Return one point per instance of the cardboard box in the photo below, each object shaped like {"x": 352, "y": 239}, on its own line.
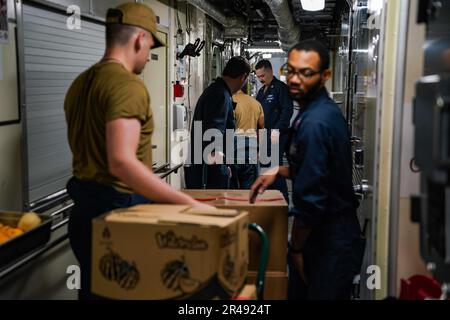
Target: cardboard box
{"x": 275, "y": 284}
{"x": 169, "y": 252}
{"x": 270, "y": 211}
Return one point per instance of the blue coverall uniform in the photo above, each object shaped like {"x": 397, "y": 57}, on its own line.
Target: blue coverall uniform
{"x": 320, "y": 161}
{"x": 215, "y": 110}
{"x": 278, "y": 109}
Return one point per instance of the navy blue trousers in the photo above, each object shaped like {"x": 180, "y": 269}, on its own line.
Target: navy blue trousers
{"x": 280, "y": 182}
{"x": 91, "y": 200}
{"x": 332, "y": 256}
{"x": 244, "y": 175}
{"x": 245, "y": 169}
{"x": 213, "y": 176}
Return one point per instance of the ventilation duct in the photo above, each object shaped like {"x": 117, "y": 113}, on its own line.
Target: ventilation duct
{"x": 288, "y": 30}
{"x": 217, "y": 15}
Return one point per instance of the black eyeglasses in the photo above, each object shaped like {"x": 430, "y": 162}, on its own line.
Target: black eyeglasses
{"x": 304, "y": 73}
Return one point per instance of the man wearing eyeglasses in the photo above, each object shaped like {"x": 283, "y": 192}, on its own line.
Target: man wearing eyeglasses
{"x": 278, "y": 109}
{"x": 326, "y": 247}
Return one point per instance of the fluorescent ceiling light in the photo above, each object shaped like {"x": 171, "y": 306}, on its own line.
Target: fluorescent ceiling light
{"x": 265, "y": 50}
{"x": 313, "y": 5}
{"x": 361, "y": 50}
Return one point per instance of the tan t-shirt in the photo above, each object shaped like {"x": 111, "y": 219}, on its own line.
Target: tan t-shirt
{"x": 247, "y": 113}
{"x": 105, "y": 92}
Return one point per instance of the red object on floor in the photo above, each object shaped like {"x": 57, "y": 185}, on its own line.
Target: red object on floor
{"x": 420, "y": 287}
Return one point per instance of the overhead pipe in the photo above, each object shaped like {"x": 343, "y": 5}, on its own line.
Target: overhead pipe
{"x": 216, "y": 14}
{"x": 288, "y": 30}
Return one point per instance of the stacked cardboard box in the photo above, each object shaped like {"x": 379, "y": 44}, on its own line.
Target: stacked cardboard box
{"x": 169, "y": 252}
{"x": 270, "y": 211}
{"x": 275, "y": 284}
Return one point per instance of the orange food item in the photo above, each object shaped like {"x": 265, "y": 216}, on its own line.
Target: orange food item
{"x": 9, "y": 232}
{"x": 29, "y": 221}
{"x": 3, "y": 238}
{"x": 13, "y": 232}
{"x": 3, "y": 229}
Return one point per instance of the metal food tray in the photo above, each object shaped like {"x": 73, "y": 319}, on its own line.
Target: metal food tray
{"x": 16, "y": 247}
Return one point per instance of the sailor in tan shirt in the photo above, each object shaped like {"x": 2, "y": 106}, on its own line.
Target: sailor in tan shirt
{"x": 110, "y": 126}
{"x": 249, "y": 117}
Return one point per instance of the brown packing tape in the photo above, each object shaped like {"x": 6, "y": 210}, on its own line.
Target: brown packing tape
{"x": 166, "y": 214}
{"x": 237, "y": 197}
{"x": 214, "y": 213}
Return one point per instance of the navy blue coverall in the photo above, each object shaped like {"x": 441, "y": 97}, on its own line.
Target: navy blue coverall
{"x": 320, "y": 161}
{"x": 278, "y": 109}
{"x": 215, "y": 111}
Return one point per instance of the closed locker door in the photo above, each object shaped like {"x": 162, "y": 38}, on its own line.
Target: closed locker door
{"x": 52, "y": 56}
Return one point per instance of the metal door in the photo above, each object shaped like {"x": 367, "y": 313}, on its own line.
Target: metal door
{"x": 155, "y": 78}
{"x": 361, "y": 83}
{"x": 51, "y": 55}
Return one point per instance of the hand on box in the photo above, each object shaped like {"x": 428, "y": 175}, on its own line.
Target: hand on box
{"x": 260, "y": 185}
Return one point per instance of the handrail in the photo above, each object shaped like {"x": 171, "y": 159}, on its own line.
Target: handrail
{"x": 160, "y": 168}
{"x": 60, "y": 224}
{"x": 46, "y": 203}
{"x": 70, "y": 205}
{"x": 171, "y": 170}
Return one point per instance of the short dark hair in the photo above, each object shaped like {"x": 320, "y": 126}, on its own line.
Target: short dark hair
{"x": 316, "y": 46}
{"x": 236, "y": 67}
{"x": 263, "y": 64}
{"x": 119, "y": 34}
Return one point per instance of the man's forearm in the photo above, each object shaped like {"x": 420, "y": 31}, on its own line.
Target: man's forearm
{"x": 144, "y": 182}
{"x": 283, "y": 171}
